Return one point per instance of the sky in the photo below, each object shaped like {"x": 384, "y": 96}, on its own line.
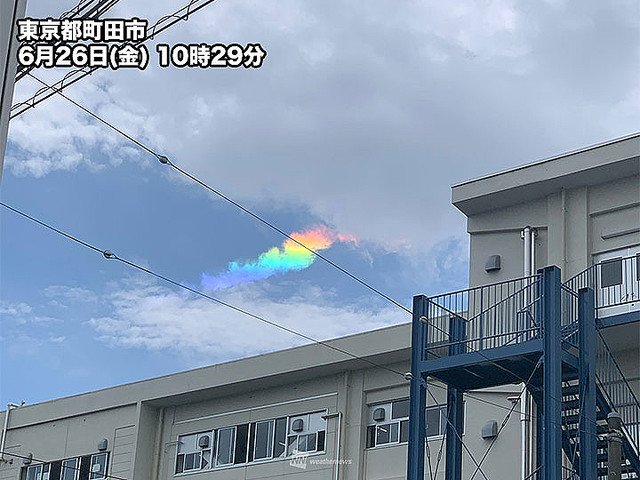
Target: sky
{"x": 358, "y": 122}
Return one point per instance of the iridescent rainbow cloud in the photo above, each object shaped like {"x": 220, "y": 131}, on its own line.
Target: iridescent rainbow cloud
{"x": 278, "y": 260}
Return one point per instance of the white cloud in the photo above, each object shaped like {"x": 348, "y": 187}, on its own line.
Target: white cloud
{"x": 69, "y": 293}
{"x": 22, "y": 314}
{"x": 13, "y": 309}
{"x": 146, "y": 315}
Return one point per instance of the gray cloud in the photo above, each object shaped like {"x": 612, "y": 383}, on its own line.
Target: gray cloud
{"x": 365, "y": 114}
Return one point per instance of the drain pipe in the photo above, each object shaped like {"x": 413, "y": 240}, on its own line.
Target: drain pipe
{"x": 5, "y": 427}
{"x": 528, "y": 235}
{"x": 336, "y": 467}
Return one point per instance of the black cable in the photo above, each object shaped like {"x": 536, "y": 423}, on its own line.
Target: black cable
{"x": 164, "y": 160}
{"x": 162, "y": 24}
{"x": 97, "y": 117}
{"x": 110, "y": 255}
{"x": 44, "y": 462}
{"x": 504, "y": 422}
{"x": 459, "y": 437}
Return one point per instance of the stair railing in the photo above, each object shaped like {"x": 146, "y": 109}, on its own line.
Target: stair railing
{"x": 618, "y": 392}
{"x": 623, "y": 275}
{"x": 495, "y": 315}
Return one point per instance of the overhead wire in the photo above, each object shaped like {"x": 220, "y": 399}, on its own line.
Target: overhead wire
{"x": 162, "y": 24}
{"x": 108, "y": 254}
{"x": 164, "y": 160}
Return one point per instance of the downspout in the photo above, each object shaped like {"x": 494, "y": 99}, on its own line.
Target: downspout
{"x": 336, "y": 466}
{"x": 338, "y": 446}
{"x": 526, "y": 402}
{"x": 5, "y": 428}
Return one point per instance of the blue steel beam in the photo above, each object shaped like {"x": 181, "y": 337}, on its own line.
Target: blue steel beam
{"x": 587, "y": 384}
{"x": 455, "y": 404}
{"x": 418, "y": 392}
{"x": 552, "y": 375}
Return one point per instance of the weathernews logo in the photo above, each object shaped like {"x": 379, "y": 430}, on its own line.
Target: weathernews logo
{"x": 301, "y": 460}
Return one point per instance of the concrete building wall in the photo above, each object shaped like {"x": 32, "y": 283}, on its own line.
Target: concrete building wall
{"x": 572, "y": 226}
{"x": 73, "y": 436}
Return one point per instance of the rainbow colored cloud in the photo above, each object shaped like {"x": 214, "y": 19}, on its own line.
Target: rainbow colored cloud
{"x": 278, "y": 260}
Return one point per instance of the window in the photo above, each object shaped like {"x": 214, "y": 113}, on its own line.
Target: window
{"x": 249, "y": 442}
{"x": 436, "y": 418}
{"x": 98, "y": 468}
{"x": 264, "y": 433}
{"x": 280, "y": 443}
{"x": 242, "y": 443}
{"x": 306, "y": 433}
{"x": 194, "y": 452}
{"x": 87, "y": 467}
{"x": 226, "y": 440}
{"x": 38, "y": 472}
{"x": 611, "y": 272}
{"x": 389, "y": 423}
{"x": 70, "y": 469}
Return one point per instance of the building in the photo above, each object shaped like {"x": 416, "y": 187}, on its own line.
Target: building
{"x": 315, "y": 413}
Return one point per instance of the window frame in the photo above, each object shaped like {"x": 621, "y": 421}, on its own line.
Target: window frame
{"x": 306, "y": 433}
{"x": 232, "y": 447}
{"x": 271, "y": 439}
{"x": 210, "y": 449}
{"x": 251, "y": 442}
{"x": 35, "y": 467}
{"x": 105, "y": 473}
{"x": 387, "y": 422}
{"x": 75, "y": 469}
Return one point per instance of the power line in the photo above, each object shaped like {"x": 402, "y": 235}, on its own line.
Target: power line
{"x": 110, "y": 255}
{"x": 459, "y": 437}
{"x": 164, "y": 160}
{"x": 24, "y": 457}
{"x": 75, "y": 75}
{"x": 504, "y": 422}
{"x": 83, "y": 10}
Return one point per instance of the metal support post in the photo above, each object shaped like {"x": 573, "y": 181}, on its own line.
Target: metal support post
{"x": 418, "y": 392}
{"x": 587, "y": 384}
{"x": 614, "y": 440}
{"x": 552, "y": 357}
{"x": 455, "y": 404}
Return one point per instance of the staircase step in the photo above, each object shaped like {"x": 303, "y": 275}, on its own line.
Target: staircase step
{"x": 601, "y": 430}
{"x": 570, "y": 390}
{"x": 572, "y": 404}
{"x": 574, "y": 418}
{"x": 625, "y": 468}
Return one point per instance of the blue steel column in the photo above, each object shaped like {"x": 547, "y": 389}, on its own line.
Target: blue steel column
{"x": 418, "y": 392}
{"x": 455, "y": 405}
{"x": 552, "y": 394}
{"x": 587, "y": 373}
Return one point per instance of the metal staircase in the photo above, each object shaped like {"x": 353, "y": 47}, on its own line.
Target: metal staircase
{"x": 540, "y": 332}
